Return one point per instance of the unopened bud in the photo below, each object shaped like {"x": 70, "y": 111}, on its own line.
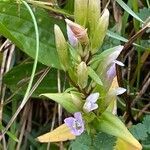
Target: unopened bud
{"x": 82, "y": 73}
{"x": 76, "y": 32}
{"x": 80, "y": 12}
{"x": 100, "y": 31}
{"x": 93, "y": 15}
{"x": 61, "y": 46}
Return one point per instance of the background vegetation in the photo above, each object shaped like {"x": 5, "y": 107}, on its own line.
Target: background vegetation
{"x": 17, "y": 55}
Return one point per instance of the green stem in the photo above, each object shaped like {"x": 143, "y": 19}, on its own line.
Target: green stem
{"x": 25, "y": 99}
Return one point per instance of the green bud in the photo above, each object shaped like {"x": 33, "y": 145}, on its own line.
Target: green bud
{"x": 82, "y": 73}
{"x": 61, "y": 46}
{"x": 93, "y": 15}
{"x": 100, "y": 31}
{"x": 76, "y": 99}
{"x": 80, "y": 12}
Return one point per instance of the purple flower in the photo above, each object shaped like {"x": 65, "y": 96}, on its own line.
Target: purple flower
{"x": 90, "y": 103}
{"x": 75, "y": 124}
{"x": 111, "y": 72}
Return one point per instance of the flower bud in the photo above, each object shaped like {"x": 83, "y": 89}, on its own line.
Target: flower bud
{"x": 76, "y": 99}
{"x": 82, "y": 73}
{"x": 61, "y": 46}
{"x": 80, "y": 12}
{"x": 93, "y": 15}
{"x": 76, "y": 33}
{"x": 100, "y": 31}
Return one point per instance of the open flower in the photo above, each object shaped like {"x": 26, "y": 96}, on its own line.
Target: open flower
{"x": 75, "y": 124}
{"x": 76, "y": 33}
{"x": 90, "y": 103}
{"x": 111, "y": 72}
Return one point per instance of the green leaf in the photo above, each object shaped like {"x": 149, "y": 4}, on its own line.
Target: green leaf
{"x": 139, "y": 131}
{"x": 82, "y": 142}
{"x": 100, "y": 141}
{"x": 128, "y": 9}
{"x": 17, "y": 25}
{"x": 103, "y": 141}
{"x": 65, "y": 100}
{"x": 11, "y": 135}
{"x": 146, "y": 122}
{"x": 110, "y": 124}
{"x": 120, "y": 38}
{"x": 94, "y": 76}
{"x": 18, "y": 77}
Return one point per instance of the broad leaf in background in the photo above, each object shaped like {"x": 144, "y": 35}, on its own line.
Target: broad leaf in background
{"x": 16, "y": 24}
{"x": 18, "y": 77}
{"x": 142, "y": 132}
{"x": 100, "y": 141}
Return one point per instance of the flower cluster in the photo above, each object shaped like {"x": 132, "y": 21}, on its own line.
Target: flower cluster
{"x": 91, "y": 73}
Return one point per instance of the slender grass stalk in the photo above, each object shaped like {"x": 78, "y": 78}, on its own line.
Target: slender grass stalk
{"x": 148, "y": 3}
{"x": 25, "y": 99}
{"x": 136, "y": 27}
{"x": 56, "y": 10}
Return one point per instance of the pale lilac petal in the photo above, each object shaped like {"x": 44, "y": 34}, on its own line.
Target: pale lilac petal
{"x": 92, "y": 97}
{"x": 120, "y": 90}
{"x": 111, "y": 73}
{"x": 69, "y": 121}
{"x": 71, "y": 37}
{"x": 76, "y": 124}
{"x": 78, "y": 116}
{"x": 118, "y": 63}
{"x": 88, "y": 106}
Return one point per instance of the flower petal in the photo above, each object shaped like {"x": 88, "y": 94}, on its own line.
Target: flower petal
{"x": 118, "y": 63}
{"x": 69, "y": 122}
{"x": 111, "y": 72}
{"x": 120, "y": 90}
{"x": 92, "y": 97}
{"x": 71, "y": 37}
{"x": 78, "y": 116}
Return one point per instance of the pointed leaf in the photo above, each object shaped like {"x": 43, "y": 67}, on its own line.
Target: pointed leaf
{"x": 94, "y": 76}
{"x": 128, "y": 9}
{"x": 65, "y": 100}
{"x": 62, "y": 133}
{"x": 110, "y": 124}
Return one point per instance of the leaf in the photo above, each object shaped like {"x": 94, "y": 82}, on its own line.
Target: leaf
{"x": 100, "y": 141}
{"x": 144, "y": 13}
{"x": 94, "y": 76}
{"x": 123, "y": 145}
{"x": 120, "y": 38}
{"x": 11, "y": 135}
{"x": 95, "y": 61}
{"x": 146, "y": 122}
{"x": 62, "y": 133}
{"x": 139, "y": 131}
{"x": 18, "y": 77}
{"x": 65, "y": 100}
{"x": 142, "y": 130}
{"x": 18, "y": 27}
{"x": 110, "y": 124}
{"x": 103, "y": 141}
{"x": 128, "y": 9}
{"x": 82, "y": 142}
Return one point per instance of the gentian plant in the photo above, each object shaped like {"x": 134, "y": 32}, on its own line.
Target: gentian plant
{"x": 91, "y": 97}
